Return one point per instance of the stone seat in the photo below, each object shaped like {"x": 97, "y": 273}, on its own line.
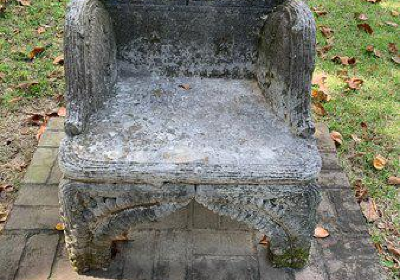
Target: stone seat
{"x": 219, "y": 131}
{"x": 170, "y": 101}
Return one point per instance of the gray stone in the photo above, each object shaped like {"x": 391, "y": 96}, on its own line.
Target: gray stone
{"x": 330, "y": 161}
{"x": 12, "y": 247}
{"x": 38, "y": 257}
{"x": 218, "y": 115}
{"x": 41, "y": 164}
{"x": 55, "y": 175}
{"x": 33, "y": 217}
{"x": 333, "y": 179}
{"x": 38, "y": 195}
{"x": 51, "y": 139}
{"x": 55, "y": 124}
{"x": 324, "y": 141}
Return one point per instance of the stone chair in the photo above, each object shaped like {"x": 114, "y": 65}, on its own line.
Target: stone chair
{"x": 174, "y": 100}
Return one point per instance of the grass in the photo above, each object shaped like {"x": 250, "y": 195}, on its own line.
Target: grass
{"x": 377, "y": 103}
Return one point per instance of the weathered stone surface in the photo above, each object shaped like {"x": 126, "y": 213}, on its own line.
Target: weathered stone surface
{"x": 324, "y": 141}
{"x": 51, "y": 139}
{"x": 55, "y": 124}
{"x": 33, "y": 217}
{"x": 39, "y": 170}
{"x": 330, "y": 161}
{"x": 11, "y": 248}
{"x": 38, "y": 195}
{"x": 38, "y": 257}
{"x": 55, "y": 174}
{"x": 331, "y": 179}
{"x": 237, "y": 139}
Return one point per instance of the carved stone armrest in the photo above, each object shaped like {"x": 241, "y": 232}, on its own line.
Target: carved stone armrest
{"x": 286, "y": 63}
{"x": 90, "y": 61}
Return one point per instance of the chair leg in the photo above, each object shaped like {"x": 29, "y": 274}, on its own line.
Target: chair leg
{"x": 285, "y": 213}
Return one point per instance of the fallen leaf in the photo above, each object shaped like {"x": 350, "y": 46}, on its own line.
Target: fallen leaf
{"x": 62, "y": 111}
{"x": 60, "y": 226}
{"x": 27, "y": 85}
{"x": 319, "y": 109}
{"x": 185, "y": 86}
{"x": 3, "y": 216}
{"x": 373, "y": 1}
{"x": 320, "y": 95}
{"x": 345, "y": 60}
{"x": 326, "y": 31}
{"x": 369, "y": 210}
{"x": 2, "y": 9}
{"x": 41, "y": 30}
{"x": 42, "y": 129}
{"x": 394, "y": 180}
{"x": 379, "y": 162}
{"x": 2, "y": 75}
{"x": 24, "y": 2}
{"x": 35, "y": 52}
{"x": 356, "y": 138}
{"x": 321, "y": 51}
{"x": 377, "y": 53}
{"x": 395, "y": 13}
{"x": 59, "y": 60}
{"x": 264, "y": 240}
{"x": 15, "y": 99}
{"x": 319, "y": 11}
{"x": 396, "y": 59}
{"x": 392, "y": 48}
{"x": 370, "y": 48}
{"x": 395, "y": 251}
{"x": 391, "y": 23}
{"x": 355, "y": 83}
{"x": 361, "y": 191}
{"x": 320, "y": 232}
{"x": 6, "y": 188}
{"x": 362, "y": 16}
{"x": 336, "y": 137}
{"x": 35, "y": 119}
{"x": 343, "y": 73}
{"x": 365, "y": 27}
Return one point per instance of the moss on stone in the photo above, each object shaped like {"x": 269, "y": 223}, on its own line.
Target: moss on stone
{"x": 294, "y": 258}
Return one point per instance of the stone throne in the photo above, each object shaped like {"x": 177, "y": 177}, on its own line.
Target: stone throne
{"x": 174, "y": 100}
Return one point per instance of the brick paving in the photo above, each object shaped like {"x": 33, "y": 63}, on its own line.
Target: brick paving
{"x": 193, "y": 243}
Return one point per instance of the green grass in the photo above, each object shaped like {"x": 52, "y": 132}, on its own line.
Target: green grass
{"x": 18, "y": 36}
{"x": 377, "y": 103}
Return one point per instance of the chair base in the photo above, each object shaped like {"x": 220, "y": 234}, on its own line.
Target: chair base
{"x": 95, "y": 215}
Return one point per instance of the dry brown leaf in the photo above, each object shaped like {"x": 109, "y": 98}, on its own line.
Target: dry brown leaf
{"x": 344, "y": 60}
{"x": 370, "y": 48}
{"x": 336, "y": 137}
{"x": 369, "y": 210}
{"x": 319, "y": 109}
{"x": 27, "y": 85}
{"x": 6, "y": 188}
{"x": 60, "y": 226}
{"x": 361, "y": 192}
{"x": 319, "y": 11}
{"x": 343, "y": 73}
{"x": 35, "y": 52}
{"x": 42, "y": 129}
{"x": 320, "y": 95}
{"x": 264, "y": 240}
{"x": 379, "y": 162}
{"x": 396, "y": 59}
{"x": 41, "y": 30}
{"x": 391, "y": 23}
{"x": 356, "y": 138}
{"x": 59, "y": 60}
{"x": 365, "y": 27}
{"x": 392, "y": 48}
{"x": 35, "y": 119}
{"x": 373, "y": 1}
{"x": 395, "y": 251}
{"x": 62, "y": 111}
{"x": 395, "y": 13}
{"x": 326, "y": 31}
{"x": 320, "y": 232}
{"x": 392, "y": 180}
{"x": 15, "y": 99}
{"x": 321, "y": 51}
{"x": 3, "y": 216}
{"x": 377, "y": 53}
{"x": 355, "y": 83}
{"x": 185, "y": 86}
{"x": 362, "y": 17}
{"x": 24, "y": 2}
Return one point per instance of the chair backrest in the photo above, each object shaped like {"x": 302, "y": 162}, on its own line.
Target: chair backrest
{"x": 212, "y": 38}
